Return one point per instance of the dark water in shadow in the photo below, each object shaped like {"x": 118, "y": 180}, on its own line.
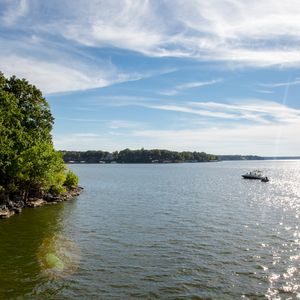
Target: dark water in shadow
{"x": 179, "y": 231}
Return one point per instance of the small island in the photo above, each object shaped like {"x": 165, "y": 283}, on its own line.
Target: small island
{"x": 32, "y": 172}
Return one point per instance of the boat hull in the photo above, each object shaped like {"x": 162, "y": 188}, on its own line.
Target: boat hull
{"x": 252, "y": 177}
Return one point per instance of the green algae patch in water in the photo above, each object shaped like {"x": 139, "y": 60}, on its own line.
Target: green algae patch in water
{"x": 58, "y": 256}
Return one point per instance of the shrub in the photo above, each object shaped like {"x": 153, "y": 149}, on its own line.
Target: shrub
{"x": 71, "y": 180}
{"x": 57, "y": 190}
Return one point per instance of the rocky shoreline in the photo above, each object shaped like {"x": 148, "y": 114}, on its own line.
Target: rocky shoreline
{"x": 9, "y": 207}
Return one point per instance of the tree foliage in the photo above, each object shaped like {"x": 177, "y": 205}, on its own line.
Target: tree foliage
{"x": 71, "y": 180}
{"x": 28, "y": 160}
{"x": 137, "y": 156}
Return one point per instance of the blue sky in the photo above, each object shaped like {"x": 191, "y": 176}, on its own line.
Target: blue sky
{"x": 220, "y": 76}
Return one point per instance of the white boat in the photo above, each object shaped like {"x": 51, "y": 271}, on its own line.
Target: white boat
{"x": 256, "y": 174}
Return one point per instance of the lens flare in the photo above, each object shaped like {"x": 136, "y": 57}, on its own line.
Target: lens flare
{"x": 58, "y": 256}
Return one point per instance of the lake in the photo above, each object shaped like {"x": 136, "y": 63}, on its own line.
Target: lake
{"x": 160, "y": 231}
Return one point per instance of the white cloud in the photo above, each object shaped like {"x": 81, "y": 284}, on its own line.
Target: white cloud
{"x": 188, "y": 85}
{"x": 168, "y": 92}
{"x": 126, "y": 24}
{"x": 254, "y": 110}
{"x": 190, "y": 110}
{"x": 249, "y": 32}
{"x": 194, "y": 84}
{"x": 260, "y": 139}
{"x": 259, "y": 33}
{"x": 243, "y": 139}
{"x": 123, "y": 124}
{"x": 271, "y": 129}
{"x": 280, "y": 84}
{"x": 252, "y": 33}
{"x": 51, "y": 77}
{"x": 256, "y": 107}
{"x": 67, "y": 75}
{"x": 16, "y": 10}
{"x": 265, "y": 91}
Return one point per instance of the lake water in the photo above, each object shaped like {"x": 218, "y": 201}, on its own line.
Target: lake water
{"x": 165, "y": 231}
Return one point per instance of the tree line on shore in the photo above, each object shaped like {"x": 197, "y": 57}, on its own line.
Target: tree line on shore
{"x": 148, "y": 156}
{"x": 136, "y": 156}
{"x": 240, "y": 157}
{"x": 29, "y": 164}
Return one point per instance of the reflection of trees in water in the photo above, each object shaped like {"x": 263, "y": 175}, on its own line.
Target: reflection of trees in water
{"x": 21, "y": 238}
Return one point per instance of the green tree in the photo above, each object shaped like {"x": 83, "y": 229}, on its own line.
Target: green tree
{"x": 28, "y": 161}
{"x": 71, "y": 180}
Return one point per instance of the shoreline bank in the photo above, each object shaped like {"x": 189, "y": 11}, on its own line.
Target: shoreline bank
{"x": 10, "y": 207}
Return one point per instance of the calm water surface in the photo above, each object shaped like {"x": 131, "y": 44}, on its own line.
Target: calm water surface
{"x": 172, "y": 231}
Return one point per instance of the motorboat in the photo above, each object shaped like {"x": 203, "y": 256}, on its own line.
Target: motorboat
{"x": 256, "y": 174}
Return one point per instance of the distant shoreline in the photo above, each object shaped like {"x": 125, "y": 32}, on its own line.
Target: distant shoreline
{"x": 264, "y": 158}
{"x": 139, "y": 163}
{"x": 152, "y": 156}
{"x": 156, "y": 156}
{"x": 183, "y": 162}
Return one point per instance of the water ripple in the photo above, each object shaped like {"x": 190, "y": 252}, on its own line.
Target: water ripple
{"x": 184, "y": 231}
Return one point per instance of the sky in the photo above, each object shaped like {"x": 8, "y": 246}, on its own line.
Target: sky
{"x": 220, "y": 76}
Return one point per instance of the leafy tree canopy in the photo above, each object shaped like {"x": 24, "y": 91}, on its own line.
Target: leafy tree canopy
{"x": 28, "y": 161}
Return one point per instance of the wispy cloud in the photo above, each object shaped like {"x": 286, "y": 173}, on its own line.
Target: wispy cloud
{"x": 252, "y": 33}
{"x": 260, "y": 136}
{"x": 188, "y": 85}
{"x": 189, "y": 109}
{"x": 16, "y": 9}
{"x": 260, "y": 139}
{"x": 64, "y": 45}
{"x": 254, "y": 110}
{"x": 168, "y": 92}
{"x": 259, "y": 109}
{"x": 120, "y": 100}
{"x": 244, "y": 139}
{"x": 194, "y": 84}
{"x": 281, "y": 84}
{"x": 53, "y": 76}
{"x": 265, "y": 91}
{"x": 123, "y": 124}
{"x": 246, "y": 126}
{"x": 237, "y": 33}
